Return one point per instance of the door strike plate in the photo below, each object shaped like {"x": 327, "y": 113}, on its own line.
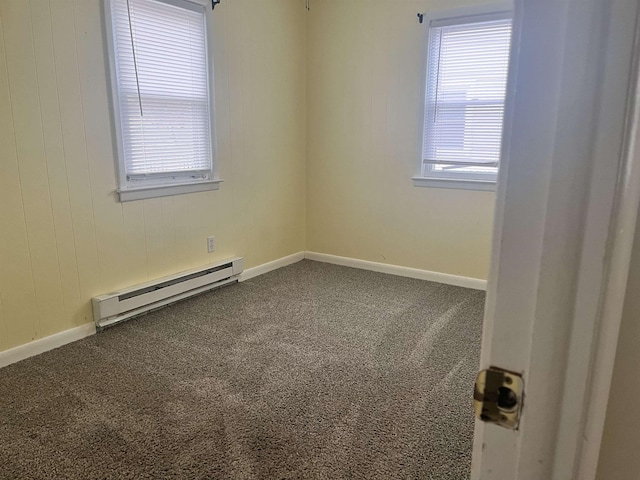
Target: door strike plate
{"x": 498, "y": 397}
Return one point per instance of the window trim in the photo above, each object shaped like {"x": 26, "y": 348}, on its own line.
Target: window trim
{"x": 128, "y": 193}
{"x": 440, "y": 18}
{"x": 455, "y": 183}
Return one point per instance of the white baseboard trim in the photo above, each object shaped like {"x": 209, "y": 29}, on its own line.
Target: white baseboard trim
{"x": 270, "y": 266}
{"x": 457, "y": 280}
{"x": 37, "y": 347}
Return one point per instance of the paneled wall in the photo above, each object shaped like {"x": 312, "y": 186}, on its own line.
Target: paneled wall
{"x": 317, "y": 118}
{"x": 364, "y": 71}
{"x": 64, "y": 237}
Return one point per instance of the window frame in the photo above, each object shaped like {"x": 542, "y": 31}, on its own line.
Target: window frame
{"x": 125, "y": 191}
{"x": 471, "y": 14}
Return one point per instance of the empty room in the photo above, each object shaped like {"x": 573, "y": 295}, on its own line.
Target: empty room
{"x": 319, "y": 239}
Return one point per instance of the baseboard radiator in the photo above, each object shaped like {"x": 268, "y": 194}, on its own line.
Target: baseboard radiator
{"x": 115, "y": 307}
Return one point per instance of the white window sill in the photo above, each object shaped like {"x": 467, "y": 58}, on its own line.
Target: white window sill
{"x": 130, "y": 194}
{"x": 455, "y": 183}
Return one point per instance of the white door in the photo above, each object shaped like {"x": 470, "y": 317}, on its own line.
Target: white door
{"x": 567, "y": 197}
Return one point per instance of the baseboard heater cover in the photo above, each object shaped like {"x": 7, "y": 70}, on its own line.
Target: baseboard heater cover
{"x": 118, "y": 306}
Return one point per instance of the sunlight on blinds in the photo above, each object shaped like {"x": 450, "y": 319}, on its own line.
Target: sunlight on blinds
{"x": 466, "y": 87}
{"x": 163, "y": 94}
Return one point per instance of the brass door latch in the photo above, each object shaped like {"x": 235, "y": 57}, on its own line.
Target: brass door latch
{"x": 498, "y": 397}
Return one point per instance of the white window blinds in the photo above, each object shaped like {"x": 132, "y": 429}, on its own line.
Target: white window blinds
{"x": 467, "y": 69}
{"x": 160, "y": 51}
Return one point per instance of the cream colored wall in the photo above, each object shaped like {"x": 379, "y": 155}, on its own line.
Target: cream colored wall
{"x": 63, "y": 235}
{"x": 348, "y": 70}
{"x": 619, "y": 458}
{"x": 364, "y": 61}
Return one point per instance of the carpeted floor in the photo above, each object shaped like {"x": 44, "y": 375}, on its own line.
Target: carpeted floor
{"x": 311, "y": 371}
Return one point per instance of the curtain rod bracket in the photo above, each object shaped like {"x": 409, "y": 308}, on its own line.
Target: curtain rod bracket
{"x": 214, "y": 3}
{"x": 421, "y": 17}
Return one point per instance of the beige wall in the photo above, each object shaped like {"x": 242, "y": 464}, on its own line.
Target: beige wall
{"x": 619, "y": 455}
{"x": 364, "y": 61}
{"x": 63, "y": 235}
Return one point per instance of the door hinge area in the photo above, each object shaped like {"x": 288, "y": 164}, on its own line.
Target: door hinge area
{"x": 498, "y": 397}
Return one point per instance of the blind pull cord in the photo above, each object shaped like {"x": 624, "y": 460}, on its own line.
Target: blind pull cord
{"x": 135, "y": 62}
{"x": 435, "y": 113}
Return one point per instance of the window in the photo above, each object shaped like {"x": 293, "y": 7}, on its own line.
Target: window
{"x": 162, "y": 98}
{"x": 466, "y": 78}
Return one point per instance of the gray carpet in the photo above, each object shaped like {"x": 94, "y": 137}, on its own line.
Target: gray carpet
{"x": 311, "y": 371}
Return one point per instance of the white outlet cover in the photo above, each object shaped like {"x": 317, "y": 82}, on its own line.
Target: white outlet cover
{"x": 211, "y": 244}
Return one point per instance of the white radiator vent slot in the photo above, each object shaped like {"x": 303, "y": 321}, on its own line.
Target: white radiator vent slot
{"x": 118, "y": 306}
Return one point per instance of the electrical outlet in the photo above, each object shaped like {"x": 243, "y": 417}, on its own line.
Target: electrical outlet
{"x": 211, "y": 244}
